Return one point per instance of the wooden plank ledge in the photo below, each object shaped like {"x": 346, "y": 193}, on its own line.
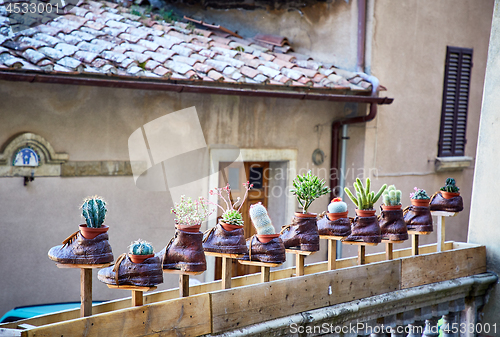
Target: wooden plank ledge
{"x": 418, "y": 233}
{"x": 84, "y": 266}
{"x": 331, "y": 237}
{"x": 180, "y": 272}
{"x": 299, "y": 252}
{"x": 231, "y": 256}
{"x": 443, "y": 213}
{"x": 131, "y": 287}
{"x": 392, "y": 241}
{"x": 360, "y": 243}
{"x": 259, "y": 264}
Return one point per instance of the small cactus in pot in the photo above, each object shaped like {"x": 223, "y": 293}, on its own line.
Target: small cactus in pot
{"x": 450, "y": 190}
{"x": 94, "y": 211}
{"x": 391, "y": 198}
{"x": 262, "y": 223}
{"x": 140, "y": 250}
{"x": 419, "y": 198}
{"x": 364, "y": 199}
{"x": 337, "y": 209}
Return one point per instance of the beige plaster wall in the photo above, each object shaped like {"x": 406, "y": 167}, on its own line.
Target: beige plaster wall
{"x": 94, "y": 124}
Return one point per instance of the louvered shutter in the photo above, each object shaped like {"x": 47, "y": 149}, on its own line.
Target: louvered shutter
{"x": 455, "y": 102}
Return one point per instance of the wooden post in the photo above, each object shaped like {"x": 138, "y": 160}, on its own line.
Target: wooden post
{"x": 361, "y": 254}
{"x": 332, "y": 254}
{"x": 137, "y": 299}
{"x": 227, "y": 272}
{"x": 85, "y": 292}
{"x": 299, "y": 264}
{"x": 183, "y": 285}
{"x": 265, "y": 274}
{"x": 440, "y": 233}
{"x": 414, "y": 244}
{"x": 388, "y": 251}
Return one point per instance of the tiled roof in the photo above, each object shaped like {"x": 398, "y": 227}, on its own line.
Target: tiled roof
{"x": 103, "y": 38}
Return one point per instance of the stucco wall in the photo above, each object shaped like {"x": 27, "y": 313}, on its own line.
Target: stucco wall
{"x": 94, "y": 124}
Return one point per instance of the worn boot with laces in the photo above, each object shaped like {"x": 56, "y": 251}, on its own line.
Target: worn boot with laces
{"x": 184, "y": 252}
{"x": 125, "y": 272}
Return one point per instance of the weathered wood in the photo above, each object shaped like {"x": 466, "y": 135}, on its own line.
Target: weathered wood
{"x": 227, "y": 272}
{"x": 131, "y": 287}
{"x": 243, "y": 306}
{"x": 437, "y": 267}
{"x": 361, "y": 254}
{"x": 360, "y": 243}
{"x": 298, "y": 251}
{"x": 418, "y": 233}
{"x": 332, "y": 254}
{"x": 188, "y": 316}
{"x": 441, "y": 230}
{"x": 259, "y": 264}
{"x": 265, "y": 274}
{"x": 85, "y": 292}
{"x": 26, "y": 326}
{"x": 299, "y": 264}
{"x": 9, "y": 332}
{"x": 180, "y": 272}
{"x": 331, "y": 237}
{"x": 84, "y": 266}
{"x": 232, "y": 256}
{"x": 414, "y": 244}
{"x": 137, "y": 299}
{"x": 183, "y": 285}
{"x": 388, "y": 251}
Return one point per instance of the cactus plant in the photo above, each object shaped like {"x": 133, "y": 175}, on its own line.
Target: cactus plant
{"x": 190, "y": 212}
{"x": 230, "y": 215}
{"x": 308, "y": 188}
{"x": 391, "y": 196}
{"x": 94, "y": 211}
{"x": 261, "y": 220}
{"x": 450, "y": 186}
{"x": 141, "y": 247}
{"x": 364, "y": 199}
{"x": 337, "y": 206}
{"x": 419, "y": 194}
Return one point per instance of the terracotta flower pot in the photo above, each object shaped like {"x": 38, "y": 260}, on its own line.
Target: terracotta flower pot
{"x": 229, "y": 227}
{"x": 449, "y": 195}
{"x": 190, "y": 229}
{"x": 89, "y": 232}
{"x": 420, "y": 202}
{"x": 365, "y": 212}
{"x": 336, "y": 216}
{"x": 139, "y": 258}
{"x": 265, "y": 238}
{"x": 391, "y": 208}
{"x": 305, "y": 215}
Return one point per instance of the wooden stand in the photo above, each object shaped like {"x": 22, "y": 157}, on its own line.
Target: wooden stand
{"x": 361, "y": 249}
{"x": 389, "y": 246}
{"x": 299, "y": 259}
{"x": 85, "y": 284}
{"x": 183, "y": 279}
{"x": 414, "y": 240}
{"x": 332, "y": 249}
{"x": 227, "y": 266}
{"x": 441, "y": 227}
{"x": 265, "y": 268}
{"x": 137, "y": 298}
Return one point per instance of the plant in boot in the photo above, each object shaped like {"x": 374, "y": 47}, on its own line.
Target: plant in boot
{"x": 140, "y": 250}
{"x": 450, "y": 186}
{"x": 391, "y": 196}
{"x": 262, "y": 223}
{"x": 189, "y": 214}
{"x": 308, "y": 188}
{"x": 364, "y": 199}
{"x": 231, "y": 215}
{"x": 94, "y": 211}
{"x": 448, "y": 198}
{"x": 419, "y": 198}
{"x": 337, "y": 209}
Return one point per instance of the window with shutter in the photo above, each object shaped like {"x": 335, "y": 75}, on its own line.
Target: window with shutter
{"x": 455, "y": 102}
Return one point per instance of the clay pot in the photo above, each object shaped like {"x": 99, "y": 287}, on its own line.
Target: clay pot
{"x": 89, "y": 232}
{"x": 365, "y": 212}
{"x": 265, "y": 238}
{"x": 449, "y": 195}
{"x": 229, "y": 227}
{"x": 190, "y": 229}
{"x": 336, "y": 216}
{"x": 305, "y": 215}
{"x": 420, "y": 202}
{"x": 391, "y": 208}
{"x": 139, "y": 258}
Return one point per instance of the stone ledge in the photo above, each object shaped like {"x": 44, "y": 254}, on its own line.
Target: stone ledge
{"x": 445, "y": 164}
{"x": 96, "y": 168}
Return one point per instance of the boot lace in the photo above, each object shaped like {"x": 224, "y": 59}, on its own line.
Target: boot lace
{"x": 117, "y": 266}
{"x": 207, "y": 233}
{"x": 70, "y": 239}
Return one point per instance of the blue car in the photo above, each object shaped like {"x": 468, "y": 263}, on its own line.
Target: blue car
{"x": 37, "y": 310}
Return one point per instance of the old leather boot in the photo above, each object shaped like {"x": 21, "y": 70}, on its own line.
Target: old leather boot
{"x": 270, "y": 252}
{"x": 219, "y": 240}
{"x": 392, "y": 225}
{"x": 125, "y": 272}
{"x": 302, "y": 232}
{"x": 340, "y": 227}
{"x": 184, "y": 252}
{"x": 78, "y": 250}
{"x": 365, "y": 229}
{"x": 418, "y": 218}
{"x": 438, "y": 203}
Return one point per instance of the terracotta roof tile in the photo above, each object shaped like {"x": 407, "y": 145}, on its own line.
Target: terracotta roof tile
{"x": 32, "y": 55}
{"x": 203, "y": 68}
{"x": 94, "y": 25}
{"x": 269, "y": 72}
{"x": 149, "y": 45}
{"x": 70, "y": 39}
{"x": 306, "y": 72}
{"x": 112, "y": 56}
{"x": 183, "y": 59}
{"x": 62, "y": 69}
{"x": 139, "y": 57}
{"x": 70, "y": 63}
{"x": 198, "y": 57}
{"x": 133, "y": 47}
{"x": 158, "y": 57}
{"x": 229, "y": 60}
{"x": 215, "y": 75}
{"x": 285, "y": 57}
{"x": 217, "y": 65}
{"x": 249, "y": 72}
{"x": 162, "y": 71}
{"x": 129, "y": 37}
{"x": 49, "y": 40}
{"x": 178, "y": 67}
{"x": 254, "y": 63}
{"x": 33, "y": 42}
{"x": 85, "y": 56}
{"x": 291, "y": 73}
{"x": 182, "y": 50}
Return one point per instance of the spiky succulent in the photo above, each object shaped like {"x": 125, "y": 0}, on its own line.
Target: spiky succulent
{"x": 337, "y": 206}
{"x": 94, "y": 211}
{"x": 261, "y": 220}
{"x": 232, "y": 217}
{"x": 364, "y": 198}
{"x": 450, "y": 186}
{"x": 308, "y": 188}
{"x": 391, "y": 196}
{"x": 141, "y": 247}
{"x": 419, "y": 194}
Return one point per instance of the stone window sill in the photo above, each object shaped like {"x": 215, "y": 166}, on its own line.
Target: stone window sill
{"x": 445, "y": 164}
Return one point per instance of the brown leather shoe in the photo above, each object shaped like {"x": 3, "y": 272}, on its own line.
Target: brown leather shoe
{"x": 340, "y": 227}
{"x": 270, "y": 252}
{"x": 125, "y": 272}
{"x": 365, "y": 229}
{"x": 438, "y": 203}
{"x": 418, "y": 218}
{"x": 302, "y": 232}
{"x": 392, "y": 225}
{"x": 184, "y": 252}
{"x": 219, "y": 240}
{"x": 78, "y": 250}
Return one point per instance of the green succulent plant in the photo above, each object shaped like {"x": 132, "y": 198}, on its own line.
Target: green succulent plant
{"x": 94, "y": 211}
{"x": 308, "y": 188}
{"x": 391, "y": 196}
{"x": 450, "y": 186}
{"x": 419, "y": 194}
{"x": 141, "y": 247}
{"x": 364, "y": 199}
{"x": 232, "y": 217}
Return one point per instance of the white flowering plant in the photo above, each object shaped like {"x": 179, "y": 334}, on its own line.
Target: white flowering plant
{"x": 190, "y": 212}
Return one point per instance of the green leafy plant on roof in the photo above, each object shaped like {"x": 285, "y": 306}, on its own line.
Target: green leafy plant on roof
{"x": 168, "y": 16}
{"x": 190, "y": 26}
{"x": 240, "y": 49}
